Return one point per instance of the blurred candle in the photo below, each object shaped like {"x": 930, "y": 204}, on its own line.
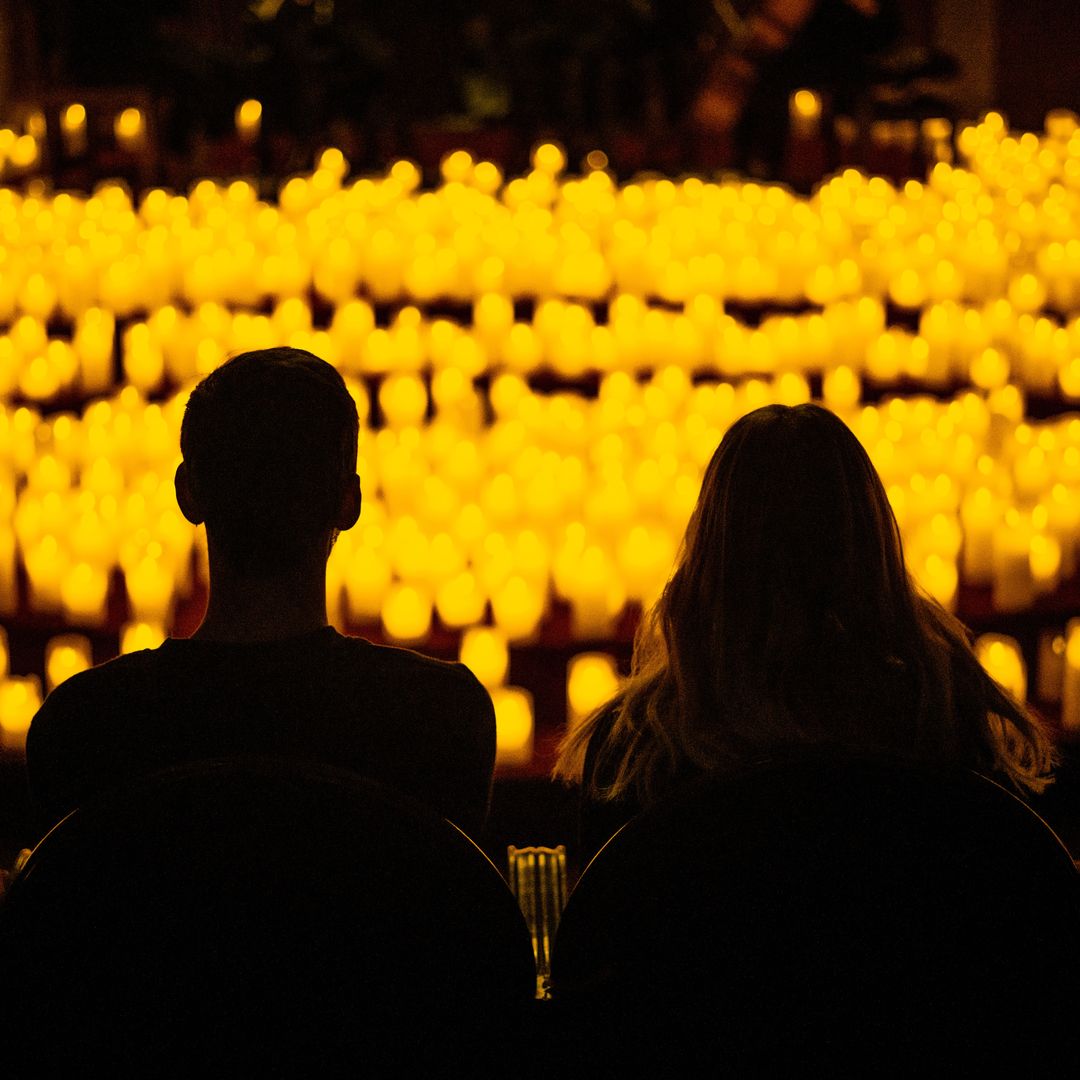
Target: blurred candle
{"x": 1003, "y": 661}
{"x": 1013, "y": 583}
{"x": 73, "y": 129}
{"x": 485, "y": 653}
{"x": 84, "y": 594}
{"x": 66, "y": 655}
{"x": 592, "y": 679}
{"x": 130, "y": 129}
{"x": 804, "y": 108}
{"x": 513, "y": 725}
{"x": 518, "y": 606}
{"x": 20, "y": 698}
{"x": 1070, "y": 691}
{"x": 460, "y": 601}
{"x": 406, "y": 614}
{"x": 135, "y": 636}
{"x": 249, "y": 120}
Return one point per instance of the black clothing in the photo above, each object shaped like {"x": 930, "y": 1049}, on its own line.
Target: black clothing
{"x": 422, "y": 726}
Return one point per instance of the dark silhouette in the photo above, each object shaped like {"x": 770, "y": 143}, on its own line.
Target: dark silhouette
{"x": 828, "y": 915}
{"x": 269, "y": 443}
{"x": 261, "y": 918}
{"x": 790, "y": 624}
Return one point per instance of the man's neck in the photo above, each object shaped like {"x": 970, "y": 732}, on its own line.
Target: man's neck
{"x": 265, "y": 609}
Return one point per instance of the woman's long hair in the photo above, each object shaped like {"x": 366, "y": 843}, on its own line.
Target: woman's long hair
{"x": 790, "y": 620}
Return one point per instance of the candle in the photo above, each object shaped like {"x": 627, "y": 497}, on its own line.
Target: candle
{"x": 1050, "y": 668}
{"x": 1003, "y": 661}
{"x": 406, "y": 614}
{"x": 460, "y": 601}
{"x": 249, "y": 120}
{"x": 592, "y": 679}
{"x": 484, "y": 651}
{"x": 518, "y": 606}
{"x": 20, "y": 699}
{"x": 66, "y": 655}
{"x": 130, "y": 129}
{"x": 84, "y": 594}
{"x": 980, "y": 514}
{"x": 367, "y": 581}
{"x": 513, "y": 725}
{"x": 135, "y": 636}
{"x": 1070, "y": 693}
{"x": 73, "y": 129}
{"x": 1013, "y": 583}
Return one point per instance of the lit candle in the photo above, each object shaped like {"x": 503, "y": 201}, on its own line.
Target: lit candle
{"x": 130, "y": 129}
{"x": 135, "y": 636}
{"x": 484, "y": 651}
{"x": 84, "y": 594}
{"x": 367, "y": 581}
{"x": 20, "y": 699}
{"x": 592, "y": 679}
{"x": 73, "y": 129}
{"x": 1070, "y": 692}
{"x": 1013, "y": 583}
{"x": 1003, "y": 661}
{"x": 513, "y": 725}
{"x": 406, "y": 614}
{"x": 518, "y": 606}
{"x": 249, "y": 120}
{"x": 65, "y": 656}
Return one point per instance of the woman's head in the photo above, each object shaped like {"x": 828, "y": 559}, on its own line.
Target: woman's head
{"x": 792, "y": 541}
{"x": 790, "y": 620}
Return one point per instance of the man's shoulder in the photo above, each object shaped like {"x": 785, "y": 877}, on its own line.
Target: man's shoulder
{"x": 412, "y": 668}
{"x": 105, "y": 680}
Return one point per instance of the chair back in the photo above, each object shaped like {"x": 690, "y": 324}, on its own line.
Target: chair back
{"x": 822, "y": 910}
{"x": 235, "y": 915}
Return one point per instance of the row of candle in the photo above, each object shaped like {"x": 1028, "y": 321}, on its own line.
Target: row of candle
{"x": 548, "y": 495}
{"x": 592, "y": 678}
{"x": 985, "y": 347}
{"x": 961, "y": 234}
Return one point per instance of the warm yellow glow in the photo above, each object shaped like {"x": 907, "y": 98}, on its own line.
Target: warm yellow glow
{"x": 805, "y": 105}
{"x": 592, "y": 679}
{"x": 20, "y": 698}
{"x": 24, "y": 152}
{"x": 141, "y": 635}
{"x": 1003, "y": 661}
{"x": 513, "y": 725}
{"x": 549, "y": 158}
{"x": 485, "y": 653}
{"x": 406, "y": 614}
{"x": 73, "y": 118}
{"x": 129, "y": 127}
{"x": 4, "y": 657}
{"x": 66, "y": 655}
{"x": 35, "y": 125}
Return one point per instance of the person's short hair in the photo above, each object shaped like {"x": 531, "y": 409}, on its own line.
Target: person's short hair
{"x": 269, "y": 440}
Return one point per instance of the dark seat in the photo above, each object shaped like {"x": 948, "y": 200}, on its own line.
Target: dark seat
{"x": 238, "y": 917}
{"x": 820, "y": 913}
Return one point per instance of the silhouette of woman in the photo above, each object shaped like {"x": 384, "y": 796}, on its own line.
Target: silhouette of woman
{"x": 791, "y": 626}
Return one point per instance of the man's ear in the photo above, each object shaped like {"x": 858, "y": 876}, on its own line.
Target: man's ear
{"x": 185, "y": 498}
{"x": 349, "y": 509}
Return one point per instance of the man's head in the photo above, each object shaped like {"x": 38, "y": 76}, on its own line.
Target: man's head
{"x": 269, "y": 446}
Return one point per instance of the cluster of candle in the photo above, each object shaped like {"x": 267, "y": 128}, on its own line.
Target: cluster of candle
{"x": 486, "y": 500}
{"x": 553, "y": 493}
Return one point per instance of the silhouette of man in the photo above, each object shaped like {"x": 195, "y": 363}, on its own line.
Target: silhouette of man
{"x": 269, "y": 443}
